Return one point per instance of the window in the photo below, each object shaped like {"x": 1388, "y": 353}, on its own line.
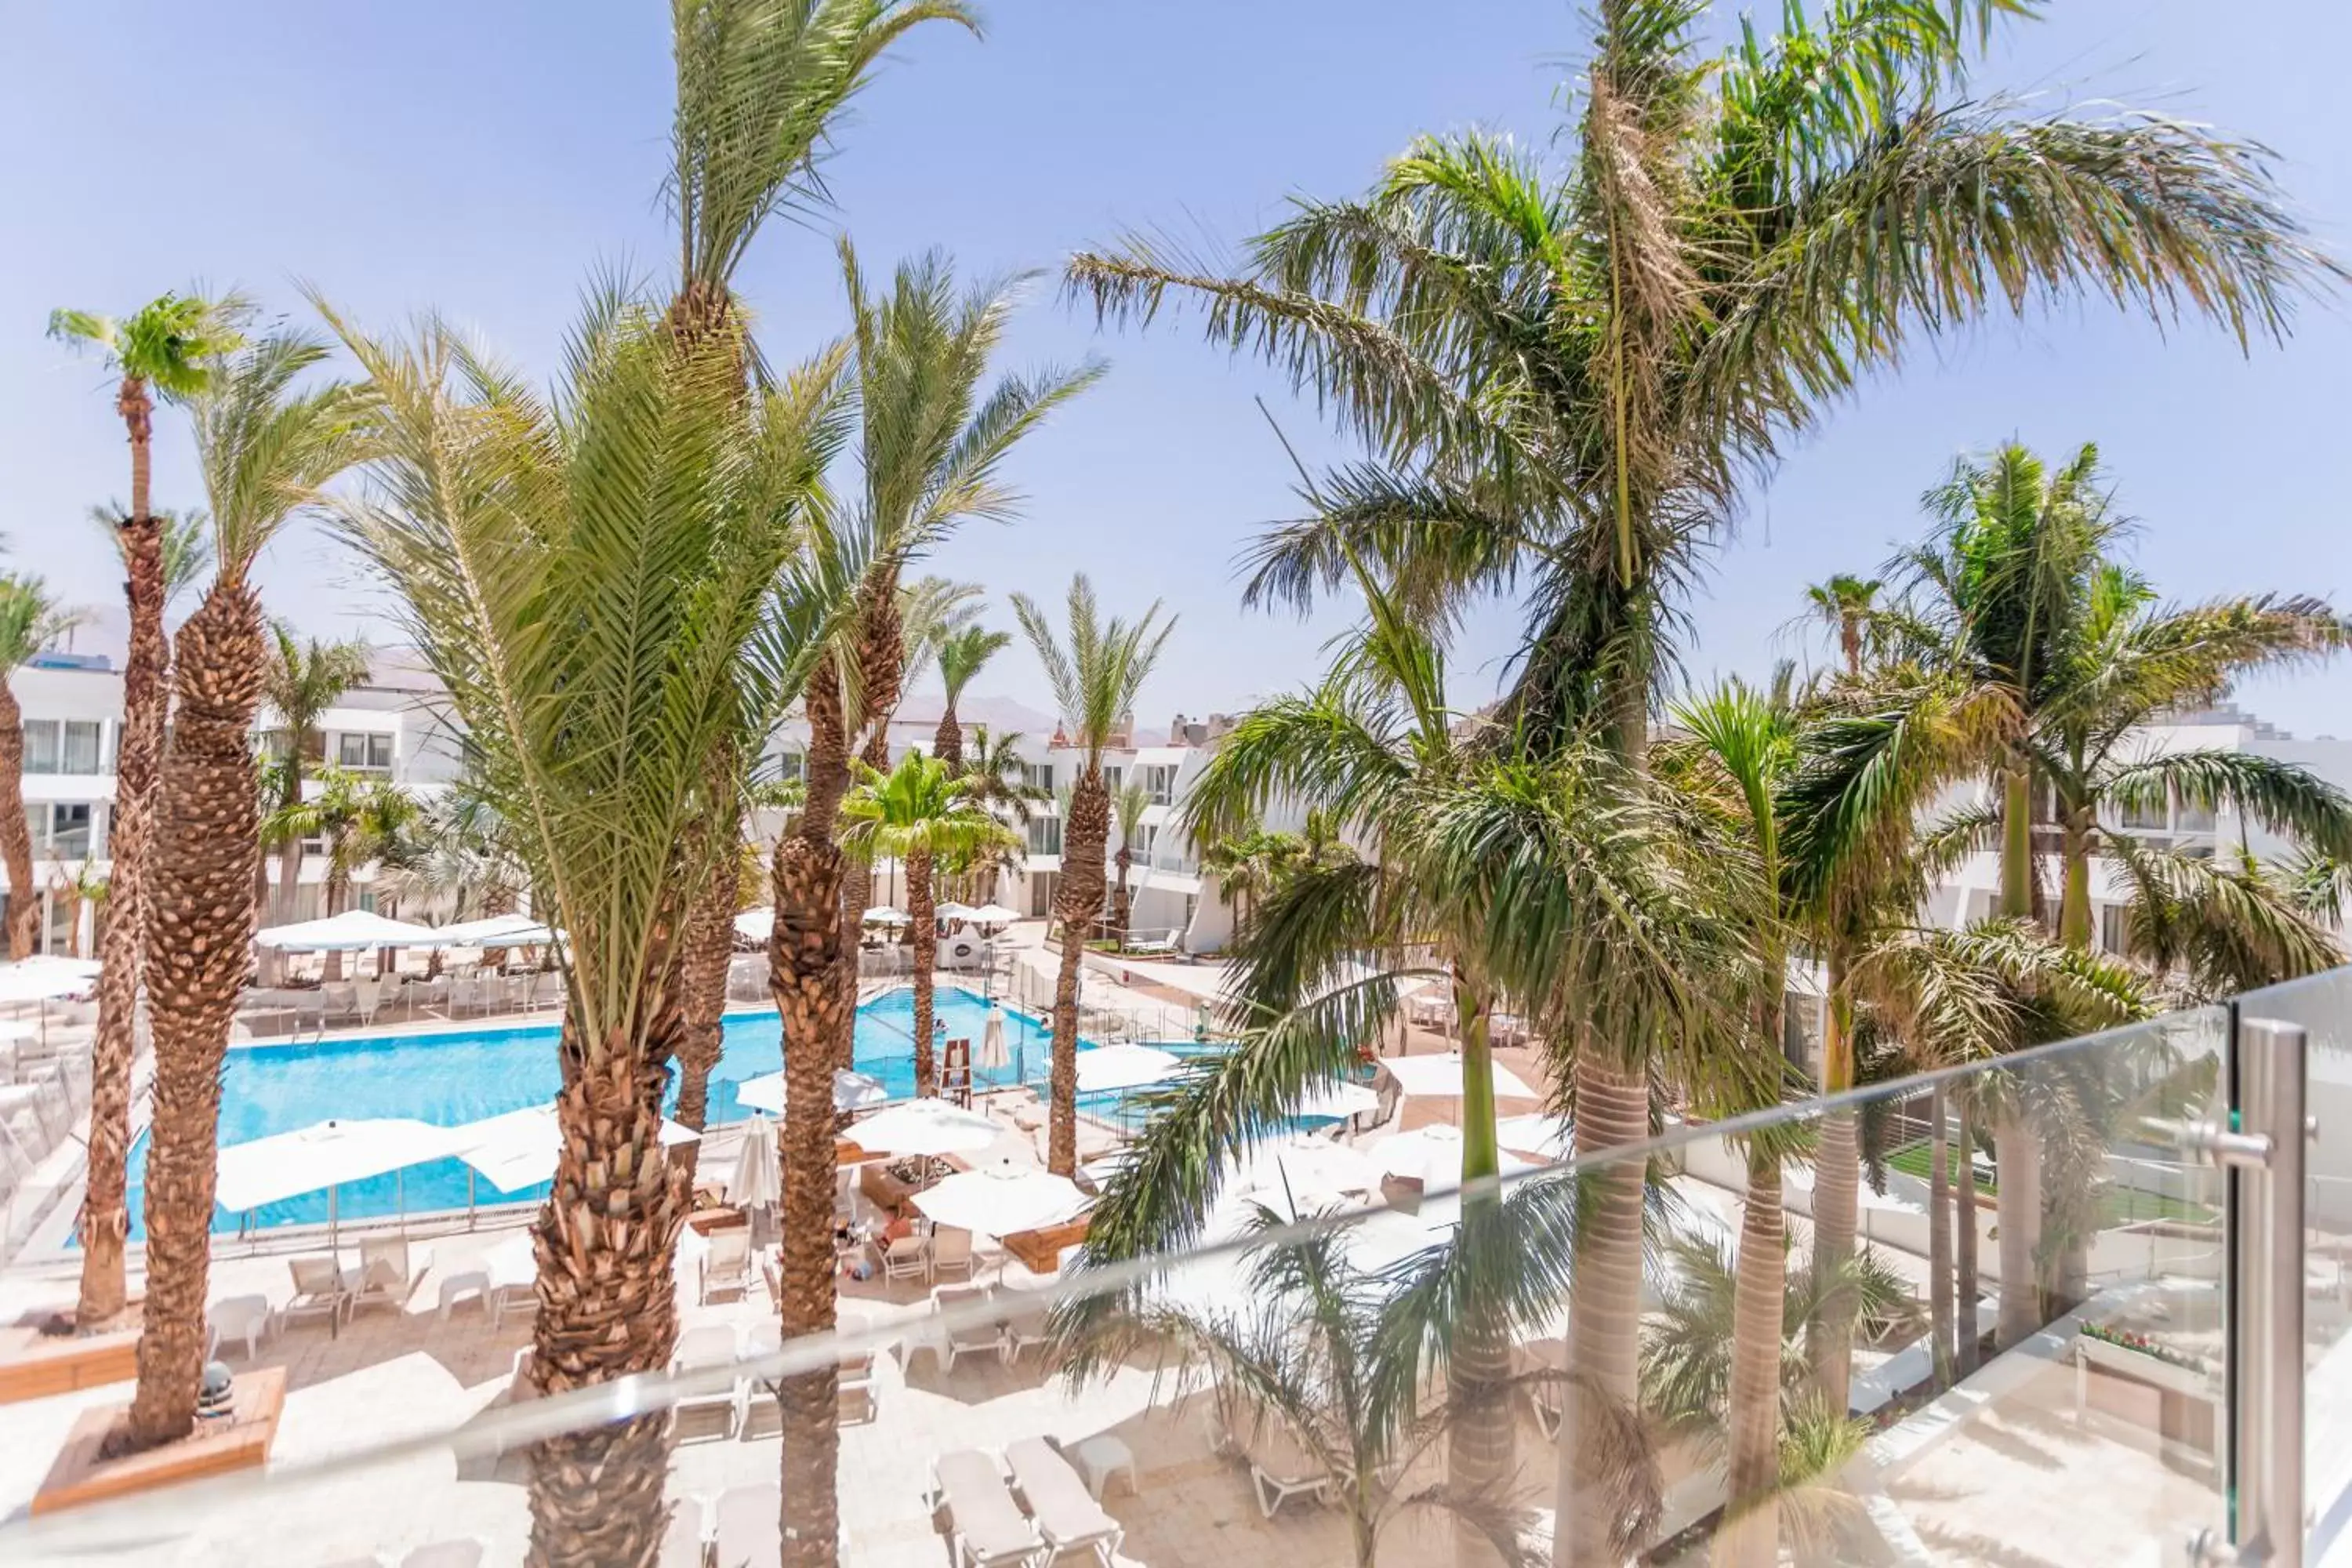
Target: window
{"x": 792, "y": 765}
{"x": 2114, "y": 929}
{"x": 41, "y": 745}
{"x": 2190, "y": 818}
{"x": 69, "y": 835}
{"x": 1044, "y": 835}
{"x": 365, "y": 752}
{"x": 1113, "y": 780}
{"x": 64, "y": 914}
{"x": 84, "y": 742}
{"x": 1160, "y": 781}
{"x": 2144, "y": 816}
{"x": 1038, "y": 776}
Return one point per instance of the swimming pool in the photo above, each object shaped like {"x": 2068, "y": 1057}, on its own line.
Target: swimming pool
{"x": 461, "y": 1076}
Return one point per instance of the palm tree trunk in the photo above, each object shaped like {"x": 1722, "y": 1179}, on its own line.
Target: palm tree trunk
{"x": 1079, "y": 907}
{"x": 924, "y": 934}
{"x": 2017, "y": 1153}
{"x": 702, "y": 1036}
{"x": 1121, "y": 908}
{"x": 106, "y": 1216}
{"x": 1837, "y": 1182}
{"x": 947, "y": 741}
{"x": 856, "y": 898}
{"x": 805, "y": 962}
{"x": 1612, "y": 1112}
{"x": 605, "y": 1241}
{"x": 1940, "y": 1239}
{"x": 201, "y": 910}
{"x": 1964, "y": 1237}
{"x": 16, "y": 833}
{"x": 1481, "y": 1453}
{"x": 1751, "y": 1533}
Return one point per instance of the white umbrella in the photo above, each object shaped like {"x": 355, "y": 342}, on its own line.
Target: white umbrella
{"x": 290, "y": 1164}
{"x": 1125, "y": 1067}
{"x": 495, "y": 931}
{"x": 1539, "y": 1136}
{"x": 992, "y": 1054}
{"x": 1310, "y": 1172}
{"x": 756, "y": 1183}
{"x": 925, "y": 1127}
{"x": 518, "y": 1149}
{"x": 43, "y": 978}
{"x": 756, "y": 925}
{"x": 851, "y": 1091}
{"x": 1337, "y": 1097}
{"x": 1437, "y": 1076}
{"x": 1432, "y": 1155}
{"x": 1001, "y": 1200}
{"x": 993, "y": 915}
{"x": 353, "y": 931}
{"x": 951, "y": 910}
{"x": 884, "y": 915}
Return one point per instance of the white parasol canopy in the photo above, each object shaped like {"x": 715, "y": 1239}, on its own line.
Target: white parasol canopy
{"x": 756, "y": 925}
{"x": 518, "y": 1149}
{"x": 992, "y": 1054}
{"x": 495, "y": 931}
{"x": 290, "y": 1164}
{"x": 1540, "y": 1136}
{"x": 1437, "y": 1076}
{"x": 951, "y": 910}
{"x": 1432, "y": 1155}
{"x": 1309, "y": 1172}
{"x": 993, "y": 915}
{"x": 44, "y": 978}
{"x": 851, "y": 1091}
{"x": 353, "y": 931}
{"x": 885, "y": 915}
{"x": 1125, "y": 1067}
{"x": 926, "y": 1127}
{"x": 1001, "y": 1200}
{"x": 757, "y": 1182}
{"x": 1337, "y": 1097}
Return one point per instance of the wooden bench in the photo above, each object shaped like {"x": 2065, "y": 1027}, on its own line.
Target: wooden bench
{"x": 1040, "y": 1251}
{"x": 237, "y": 1441}
{"x": 47, "y": 1366}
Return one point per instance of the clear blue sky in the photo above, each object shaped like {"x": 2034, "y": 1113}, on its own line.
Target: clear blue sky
{"x": 483, "y": 158}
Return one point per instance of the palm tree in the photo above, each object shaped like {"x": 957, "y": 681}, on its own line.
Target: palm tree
{"x": 184, "y": 539}
{"x": 920, "y": 813}
{"x": 1564, "y": 371}
{"x": 301, "y": 681}
{"x": 1128, "y": 808}
{"x": 264, "y": 448}
{"x": 1848, "y": 605}
{"x": 997, "y": 778}
{"x": 962, "y": 656}
{"x": 1097, "y": 668}
{"x": 30, "y": 620}
{"x": 689, "y": 619}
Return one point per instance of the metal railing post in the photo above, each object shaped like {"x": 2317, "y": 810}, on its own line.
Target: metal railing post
{"x": 2267, "y": 1397}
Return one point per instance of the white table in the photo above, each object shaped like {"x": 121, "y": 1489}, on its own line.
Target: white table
{"x": 1101, "y": 1457}
{"x": 458, "y": 1287}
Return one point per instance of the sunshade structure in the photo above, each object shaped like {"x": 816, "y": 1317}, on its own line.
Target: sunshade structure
{"x": 951, "y": 910}
{"x": 1002, "y": 1200}
{"x": 1107, "y": 1068}
{"x": 42, "y": 978}
{"x": 323, "y": 1157}
{"x": 885, "y": 915}
{"x": 991, "y": 915}
{"x": 353, "y": 931}
{"x": 1541, "y": 1137}
{"x": 756, "y": 925}
{"x": 495, "y": 931}
{"x": 851, "y": 1091}
{"x": 1437, "y": 1076}
{"x": 1337, "y": 1097}
{"x": 757, "y": 1182}
{"x": 1433, "y": 1156}
{"x": 1301, "y": 1176}
{"x": 925, "y": 1127}
{"x": 518, "y": 1149}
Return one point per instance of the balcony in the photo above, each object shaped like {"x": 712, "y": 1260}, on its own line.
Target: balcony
{"x": 2147, "y": 1342}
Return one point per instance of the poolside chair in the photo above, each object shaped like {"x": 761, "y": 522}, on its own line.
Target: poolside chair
{"x": 908, "y": 1258}
{"x": 1026, "y": 1324}
{"x": 758, "y": 1414}
{"x": 951, "y": 1252}
{"x": 338, "y": 1002}
{"x": 1281, "y": 1467}
{"x": 682, "y": 1544}
{"x": 718, "y": 1413}
{"x": 727, "y": 1262}
{"x": 321, "y": 1288}
{"x": 387, "y": 1275}
{"x": 1055, "y": 1495}
{"x": 311, "y": 1008}
{"x": 981, "y": 1336}
{"x": 747, "y": 1534}
{"x": 985, "y": 1527}
{"x": 465, "y": 1554}
{"x": 518, "y": 1297}
{"x": 367, "y": 997}
{"x": 246, "y": 1317}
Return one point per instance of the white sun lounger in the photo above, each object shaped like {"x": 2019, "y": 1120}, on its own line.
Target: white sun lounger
{"x": 1067, "y": 1515}
{"x": 1281, "y": 1468}
{"x": 321, "y": 1288}
{"x": 985, "y": 1527}
{"x": 682, "y": 1544}
{"x": 750, "y": 1533}
{"x": 388, "y": 1276}
{"x": 716, "y": 1414}
{"x": 983, "y": 1337}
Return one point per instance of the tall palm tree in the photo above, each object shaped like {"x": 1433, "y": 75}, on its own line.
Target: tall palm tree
{"x": 166, "y": 348}
{"x": 962, "y": 656}
{"x": 1128, "y": 808}
{"x": 920, "y": 813}
{"x": 301, "y": 681}
{"x": 997, "y": 778}
{"x": 1564, "y": 370}
{"x": 673, "y": 527}
{"x": 1848, "y": 605}
{"x": 30, "y": 620}
{"x": 183, "y": 538}
{"x": 1097, "y": 668}
{"x": 264, "y": 448}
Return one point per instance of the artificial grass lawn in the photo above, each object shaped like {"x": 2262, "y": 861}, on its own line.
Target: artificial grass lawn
{"x": 2120, "y": 1205}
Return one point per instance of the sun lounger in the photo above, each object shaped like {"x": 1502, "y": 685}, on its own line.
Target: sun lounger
{"x": 682, "y": 1544}
{"x": 321, "y": 1288}
{"x": 1055, "y": 1495}
{"x": 727, "y": 1264}
{"x": 908, "y": 1258}
{"x": 716, "y": 1413}
{"x": 1281, "y": 1467}
{"x": 951, "y": 1252}
{"x": 750, "y": 1531}
{"x": 985, "y": 1528}
{"x": 388, "y": 1276}
{"x": 246, "y": 1317}
{"x": 1026, "y": 1324}
{"x": 982, "y": 1336}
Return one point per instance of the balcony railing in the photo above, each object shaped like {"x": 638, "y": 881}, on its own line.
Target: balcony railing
{"x": 2097, "y": 1302}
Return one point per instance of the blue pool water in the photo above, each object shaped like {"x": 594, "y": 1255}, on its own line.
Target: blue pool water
{"x": 458, "y": 1077}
